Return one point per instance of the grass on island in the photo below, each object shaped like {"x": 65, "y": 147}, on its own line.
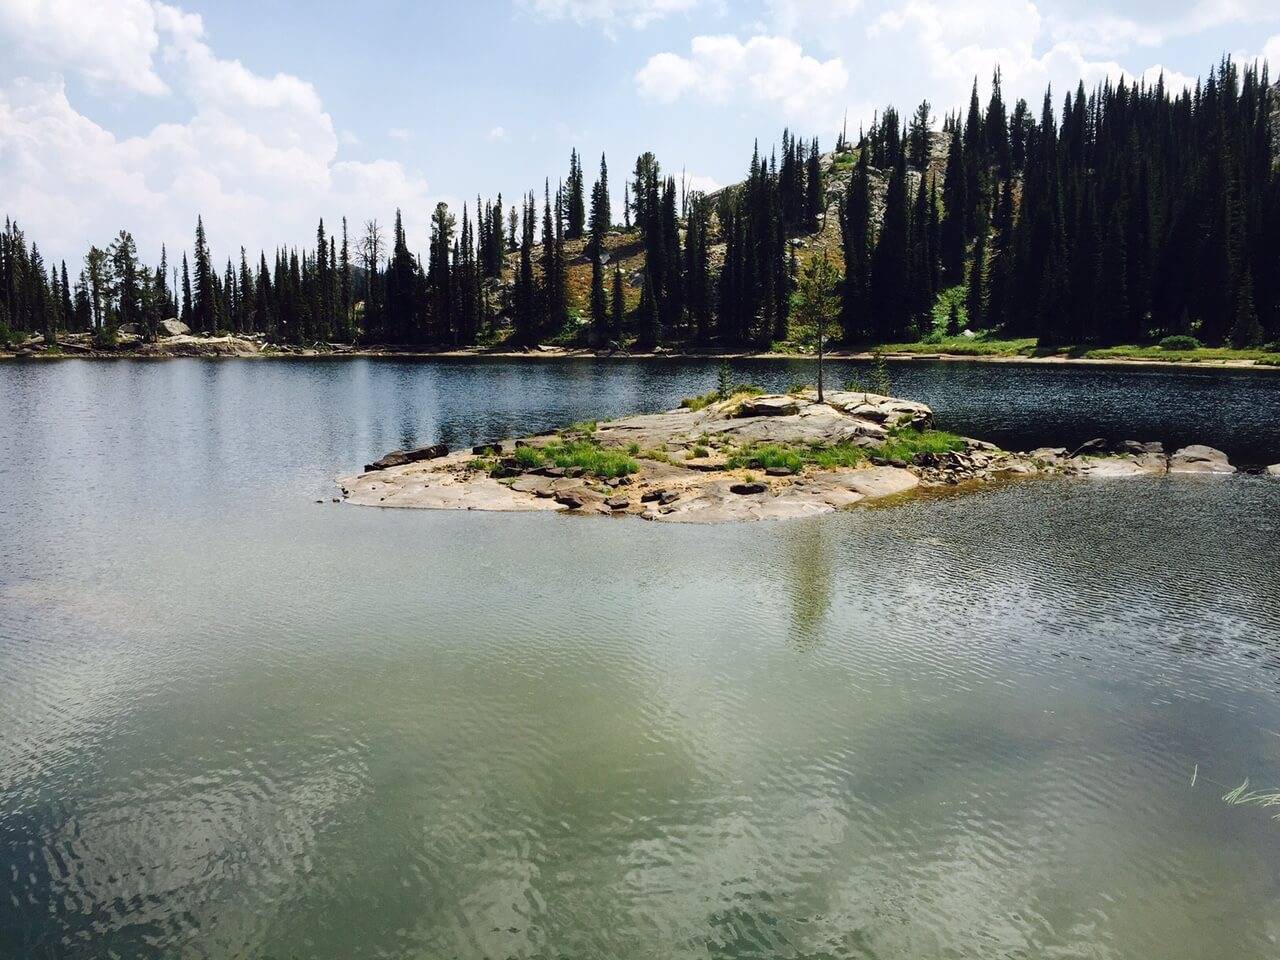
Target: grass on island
{"x": 903, "y": 444}
{"x": 773, "y": 456}
{"x": 908, "y": 442}
{"x": 593, "y": 459}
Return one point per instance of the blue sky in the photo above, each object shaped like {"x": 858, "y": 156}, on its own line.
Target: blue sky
{"x": 264, "y": 116}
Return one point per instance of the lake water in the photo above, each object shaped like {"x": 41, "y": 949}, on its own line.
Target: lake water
{"x": 235, "y": 723}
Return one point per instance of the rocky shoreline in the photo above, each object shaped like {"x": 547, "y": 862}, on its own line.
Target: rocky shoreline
{"x": 745, "y": 457}
{"x": 178, "y": 341}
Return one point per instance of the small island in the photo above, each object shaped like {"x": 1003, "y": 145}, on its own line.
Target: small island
{"x": 739, "y": 454}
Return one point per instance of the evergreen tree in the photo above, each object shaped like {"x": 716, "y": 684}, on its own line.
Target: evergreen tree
{"x": 890, "y": 306}
{"x": 955, "y": 202}
{"x": 186, "y": 294}
{"x": 601, "y": 215}
{"x": 855, "y": 222}
{"x": 203, "y": 308}
{"x": 599, "y": 305}
{"x": 618, "y": 304}
{"x": 919, "y": 135}
{"x": 575, "y": 201}
{"x": 976, "y": 301}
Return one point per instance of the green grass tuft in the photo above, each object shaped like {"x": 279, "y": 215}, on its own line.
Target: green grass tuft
{"x": 907, "y": 443}
{"x": 795, "y": 458}
{"x": 594, "y": 459}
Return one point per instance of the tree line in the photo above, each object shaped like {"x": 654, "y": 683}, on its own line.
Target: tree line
{"x": 1132, "y": 213}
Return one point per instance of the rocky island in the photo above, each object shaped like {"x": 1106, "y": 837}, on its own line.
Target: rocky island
{"x": 741, "y": 456}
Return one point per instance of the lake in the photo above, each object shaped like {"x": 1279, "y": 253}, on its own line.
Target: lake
{"x": 235, "y": 723}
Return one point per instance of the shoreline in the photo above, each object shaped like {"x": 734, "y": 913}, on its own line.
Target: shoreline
{"x": 211, "y": 349}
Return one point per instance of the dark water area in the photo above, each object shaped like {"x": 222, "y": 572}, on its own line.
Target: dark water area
{"x": 235, "y": 723}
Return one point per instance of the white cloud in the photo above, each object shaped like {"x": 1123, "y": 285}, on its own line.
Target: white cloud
{"x": 399, "y": 133}
{"x": 959, "y": 42}
{"x": 766, "y": 69}
{"x": 609, "y": 14}
{"x": 109, "y": 44}
{"x": 498, "y": 133}
{"x": 1271, "y": 53}
{"x": 257, "y": 156}
{"x": 808, "y": 17}
{"x": 700, "y": 183}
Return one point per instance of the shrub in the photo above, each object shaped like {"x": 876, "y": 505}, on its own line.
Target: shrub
{"x": 700, "y": 452}
{"x": 7, "y": 337}
{"x": 1180, "y": 341}
{"x": 105, "y": 338}
{"x": 699, "y": 402}
{"x": 950, "y": 313}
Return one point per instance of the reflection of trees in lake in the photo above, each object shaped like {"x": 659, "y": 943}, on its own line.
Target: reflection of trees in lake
{"x": 809, "y": 573}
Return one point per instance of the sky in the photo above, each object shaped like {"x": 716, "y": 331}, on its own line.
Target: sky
{"x": 265, "y": 116}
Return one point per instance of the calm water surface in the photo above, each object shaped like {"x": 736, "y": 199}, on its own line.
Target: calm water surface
{"x": 238, "y": 724}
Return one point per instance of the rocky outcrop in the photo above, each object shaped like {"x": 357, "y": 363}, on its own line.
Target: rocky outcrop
{"x": 398, "y": 458}
{"x": 1200, "y": 459}
{"x": 184, "y": 345}
{"x": 689, "y": 463}
{"x": 683, "y": 455}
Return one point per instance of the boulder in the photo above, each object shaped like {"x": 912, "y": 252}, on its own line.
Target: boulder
{"x": 1138, "y": 448}
{"x": 1273, "y": 470}
{"x": 172, "y": 328}
{"x": 1198, "y": 458}
{"x": 398, "y": 458}
{"x": 706, "y": 464}
{"x": 769, "y": 407}
{"x": 1048, "y": 453}
{"x": 748, "y": 489}
{"x": 1098, "y": 445}
{"x": 129, "y": 330}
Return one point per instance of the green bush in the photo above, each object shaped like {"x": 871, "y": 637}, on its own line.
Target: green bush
{"x": 699, "y": 402}
{"x": 7, "y": 337}
{"x": 949, "y": 310}
{"x": 105, "y": 338}
{"x": 1180, "y": 341}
